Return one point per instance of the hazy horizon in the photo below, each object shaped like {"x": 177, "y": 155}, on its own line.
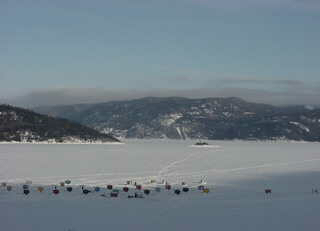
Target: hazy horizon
{"x": 54, "y": 97}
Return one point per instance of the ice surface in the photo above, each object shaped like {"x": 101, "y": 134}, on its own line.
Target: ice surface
{"x": 237, "y": 171}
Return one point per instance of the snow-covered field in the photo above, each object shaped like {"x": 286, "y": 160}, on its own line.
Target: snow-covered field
{"x": 237, "y": 173}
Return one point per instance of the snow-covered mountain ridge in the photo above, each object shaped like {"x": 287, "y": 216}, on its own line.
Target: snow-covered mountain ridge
{"x": 181, "y": 118}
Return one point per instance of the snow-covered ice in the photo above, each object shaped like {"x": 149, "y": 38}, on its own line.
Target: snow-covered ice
{"x": 238, "y": 172}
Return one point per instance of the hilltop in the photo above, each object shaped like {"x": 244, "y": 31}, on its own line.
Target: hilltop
{"x": 21, "y": 125}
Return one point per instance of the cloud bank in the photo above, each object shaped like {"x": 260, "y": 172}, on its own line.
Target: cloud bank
{"x": 288, "y": 92}
{"x": 264, "y": 4}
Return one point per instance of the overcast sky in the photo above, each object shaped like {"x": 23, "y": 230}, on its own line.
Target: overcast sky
{"x": 262, "y": 50}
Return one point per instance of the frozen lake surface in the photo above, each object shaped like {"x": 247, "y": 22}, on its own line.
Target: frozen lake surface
{"x": 237, "y": 171}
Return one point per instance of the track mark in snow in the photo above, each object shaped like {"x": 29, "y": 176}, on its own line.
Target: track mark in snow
{"x": 271, "y": 165}
{"x": 165, "y": 170}
{"x": 57, "y": 179}
{"x": 245, "y": 168}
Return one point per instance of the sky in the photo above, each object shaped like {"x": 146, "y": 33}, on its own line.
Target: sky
{"x": 75, "y": 51}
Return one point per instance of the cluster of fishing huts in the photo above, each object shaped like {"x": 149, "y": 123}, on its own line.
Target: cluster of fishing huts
{"x": 130, "y": 189}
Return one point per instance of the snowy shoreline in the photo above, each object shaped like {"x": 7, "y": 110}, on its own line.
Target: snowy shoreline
{"x": 123, "y": 141}
{"x": 46, "y": 142}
